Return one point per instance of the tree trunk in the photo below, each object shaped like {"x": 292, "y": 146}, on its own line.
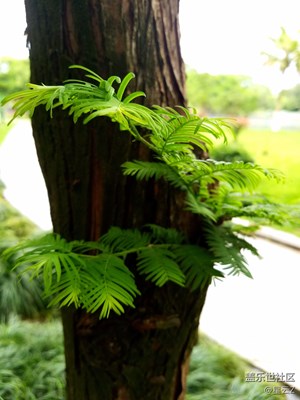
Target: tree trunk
{"x": 144, "y": 353}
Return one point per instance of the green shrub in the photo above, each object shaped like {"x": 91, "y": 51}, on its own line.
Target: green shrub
{"x": 31, "y": 361}
{"x": 13, "y": 225}
{"x": 231, "y": 153}
{"x": 280, "y": 149}
{"x": 217, "y": 373}
{"x": 32, "y": 367}
{"x": 19, "y": 294}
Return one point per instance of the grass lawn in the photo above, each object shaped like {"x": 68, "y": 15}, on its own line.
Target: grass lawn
{"x": 278, "y": 150}
{"x": 32, "y": 367}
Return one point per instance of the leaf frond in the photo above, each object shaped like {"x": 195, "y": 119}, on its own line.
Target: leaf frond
{"x": 227, "y": 248}
{"x": 196, "y": 206}
{"x": 197, "y": 264}
{"x": 158, "y": 266}
{"x": 161, "y": 235}
{"x": 92, "y": 74}
{"x": 94, "y": 275}
{"x": 108, "y": 285}
{"x": 118, "y": 240}
{"x": 123, "y": 85}
{"x": 66, "y": 291}
{"x": 145, "y": 170}
{"x": 237, "y": 174}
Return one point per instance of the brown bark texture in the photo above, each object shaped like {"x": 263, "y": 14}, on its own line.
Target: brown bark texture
{"x": 144, "y": 353}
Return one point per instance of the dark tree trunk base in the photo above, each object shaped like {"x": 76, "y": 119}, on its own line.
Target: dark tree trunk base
{"x": 137, "y": 356}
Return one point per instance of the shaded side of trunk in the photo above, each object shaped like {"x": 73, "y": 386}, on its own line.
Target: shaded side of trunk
{"x": 142, "y": 354}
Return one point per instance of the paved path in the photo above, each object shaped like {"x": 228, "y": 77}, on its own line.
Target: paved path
{"x": 257, "y": 318}
{"x": 20, "y": 172}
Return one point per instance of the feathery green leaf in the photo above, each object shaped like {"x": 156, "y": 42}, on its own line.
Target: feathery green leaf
{"x": 107, "y": 284}
{"x": 162, "y": 235}
{"x": 118, "y": 240}
{"x": 94, "y": 275}
{"x": 197, "y": 264}
{"x": 227, "y": 248}
{"x": 159, "y": 266}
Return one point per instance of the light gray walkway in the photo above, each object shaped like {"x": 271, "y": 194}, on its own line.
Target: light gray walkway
{"x": 259, "y": 318}
{"x": 256, "y": 318}
{"x": 20, "y": 172}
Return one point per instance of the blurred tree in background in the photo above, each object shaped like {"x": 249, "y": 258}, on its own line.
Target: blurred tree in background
{"x": 286, "y": 52}
{"x": 290, "y": 99}
{"x": 13, "y": 75}
{"x": 226, "y": 94}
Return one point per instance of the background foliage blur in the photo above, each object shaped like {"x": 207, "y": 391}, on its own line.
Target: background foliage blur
{"x": 19, "y": 294}
{"x": 14, "y": 74}
{"x": 227, "y": 94}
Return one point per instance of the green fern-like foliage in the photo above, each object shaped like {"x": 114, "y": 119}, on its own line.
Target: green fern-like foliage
{"x": 172, "y": 134}
{"x": 227, "y": 249}
{"x": 101, "y": 276}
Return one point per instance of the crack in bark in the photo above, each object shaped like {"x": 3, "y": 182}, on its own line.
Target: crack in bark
{"x": 69, "y": 30}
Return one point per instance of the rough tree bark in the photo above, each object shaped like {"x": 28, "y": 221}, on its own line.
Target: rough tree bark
{"x": 144, "y": 353}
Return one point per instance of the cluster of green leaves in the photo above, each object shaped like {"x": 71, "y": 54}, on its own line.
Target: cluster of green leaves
{"x": 172, "y": 135}
{"x": 95, "y": 275}
{"x": 286, "y": 51}
{"x": 99, "y": 275}
{"x": 32, "y": 363}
